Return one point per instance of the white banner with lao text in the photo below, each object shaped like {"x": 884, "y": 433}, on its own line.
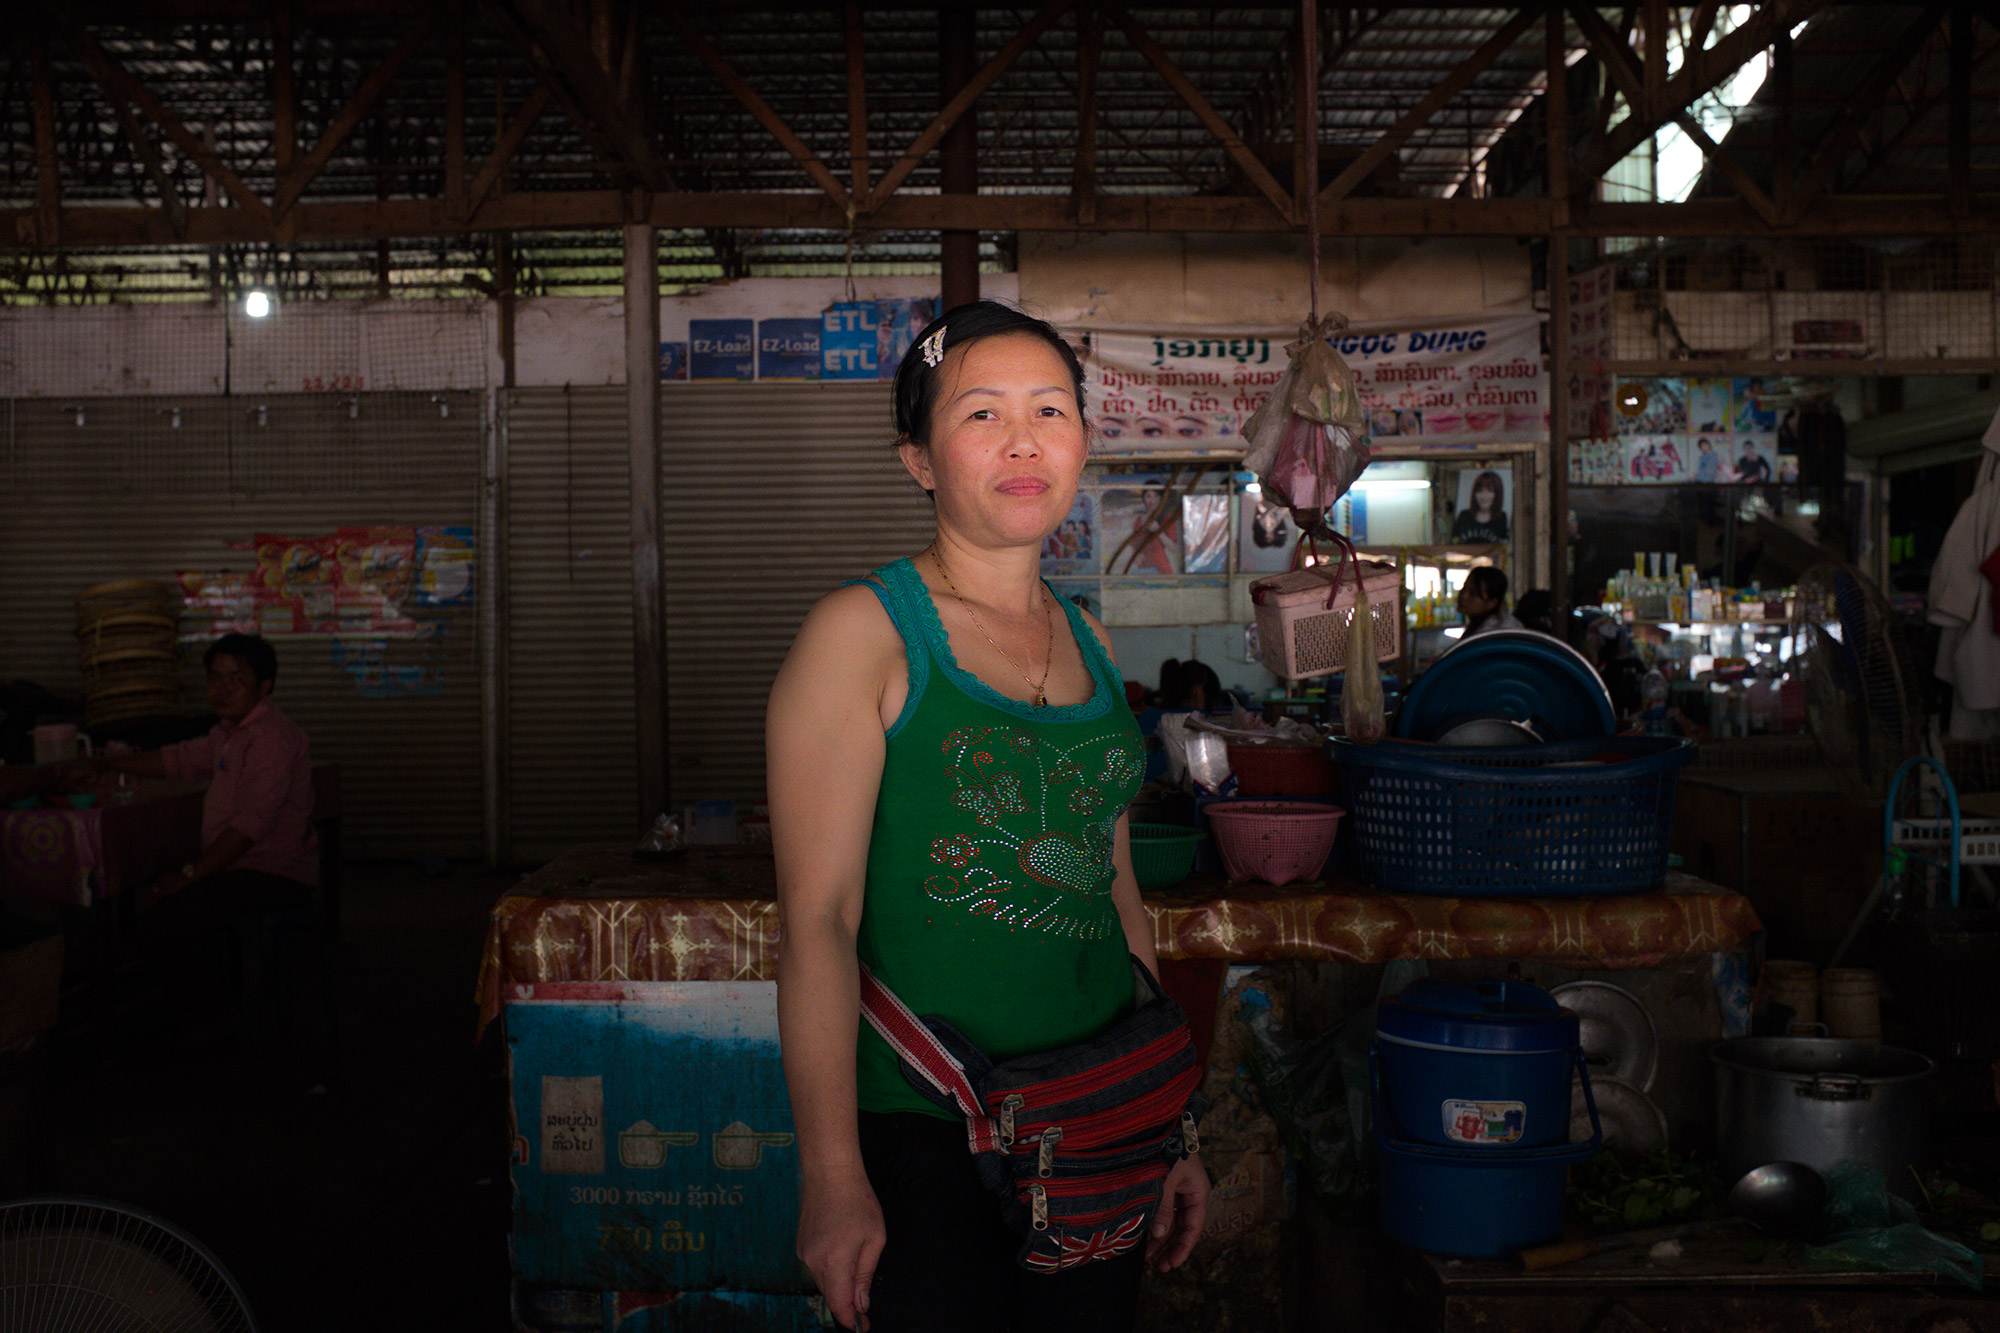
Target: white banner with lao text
{"x": 1452, "y": 385}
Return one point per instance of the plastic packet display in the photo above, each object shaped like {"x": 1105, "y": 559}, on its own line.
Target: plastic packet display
{"x": 1307, "y": 441}
{"x": 1205, "y": 533}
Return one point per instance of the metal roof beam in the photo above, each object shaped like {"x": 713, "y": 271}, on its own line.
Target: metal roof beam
{"x": 1697, "y": 76}
{"x": 726, "y": 75}
{"x": 1840, "y": 136}
{"x": 116, "y": 82}
{"x": 933, "y": 134}
{"x": 1232, "y": 143}
{"x": 563, "y": 52}
{"x": 1640, "y": 89}
{"x": 815, "y": 211}
{"x": 293, "y": 184}
{"x": 1419, "y": 115}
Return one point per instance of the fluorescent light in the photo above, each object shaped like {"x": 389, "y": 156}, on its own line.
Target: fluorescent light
{"x": 1393, "y": 484}
{"x": 256, "y": 305}
{"x": 1252, "y": 488}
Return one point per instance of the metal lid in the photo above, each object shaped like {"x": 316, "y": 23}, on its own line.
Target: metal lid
{"x": 1477, "y": 1015}
{"x": 1807, "y": 1057}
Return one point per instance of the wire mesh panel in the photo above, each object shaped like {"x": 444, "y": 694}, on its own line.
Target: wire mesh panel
{"x": 1822, "y": 300}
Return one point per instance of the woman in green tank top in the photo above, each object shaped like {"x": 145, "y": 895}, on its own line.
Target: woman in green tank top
{"x": 950, "y": 760}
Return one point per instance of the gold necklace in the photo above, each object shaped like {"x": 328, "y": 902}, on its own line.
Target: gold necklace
{"x": 1040, "y": 687}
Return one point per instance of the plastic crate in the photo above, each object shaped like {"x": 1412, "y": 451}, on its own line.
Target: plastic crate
{"x": 1303, "y": 620}
{"x": 1978, "y": 839}
{"x": 1512, "y": 822}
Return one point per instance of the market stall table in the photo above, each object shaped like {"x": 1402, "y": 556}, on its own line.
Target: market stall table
{"x": 640, "y": 1021}
{"x": 596, "y": 913}
{"x": 95, "y": 857}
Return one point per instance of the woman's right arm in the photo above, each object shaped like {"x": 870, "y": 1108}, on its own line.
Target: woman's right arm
{"x": 824, "y": 748}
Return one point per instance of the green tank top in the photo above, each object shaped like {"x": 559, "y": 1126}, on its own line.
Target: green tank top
{"x": 988, "y": 898}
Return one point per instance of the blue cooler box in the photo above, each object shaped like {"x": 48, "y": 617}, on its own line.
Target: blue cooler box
{"x": 1472, "y": 1099}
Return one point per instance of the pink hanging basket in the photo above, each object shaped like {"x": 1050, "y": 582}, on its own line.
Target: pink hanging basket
{"x": 1302, "y": 632}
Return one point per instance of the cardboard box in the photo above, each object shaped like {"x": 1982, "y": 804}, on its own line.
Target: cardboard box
{"x": 653, "y": 1139}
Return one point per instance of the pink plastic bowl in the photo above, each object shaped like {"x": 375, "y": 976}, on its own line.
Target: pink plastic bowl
{"x": 1274, "y": 842}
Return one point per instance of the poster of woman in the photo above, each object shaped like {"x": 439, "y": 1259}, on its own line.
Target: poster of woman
{"x": 1485, "y": 511}
{"x": 1072, "y": 548}
{"x": 1756, "y": 461}
{"x": 1267, "y": 536}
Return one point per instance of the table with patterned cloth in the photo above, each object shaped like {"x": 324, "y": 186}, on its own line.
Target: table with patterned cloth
{"x": 96, "y": 855}
{"x": 596, "y": 913}
{"x": 55, "y": 854}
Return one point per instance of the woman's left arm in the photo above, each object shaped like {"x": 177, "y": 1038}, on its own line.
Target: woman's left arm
{"x": 1184, "y": 1197}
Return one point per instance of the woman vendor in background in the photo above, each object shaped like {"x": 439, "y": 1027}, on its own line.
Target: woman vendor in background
{"x": 933, "y": 726}
{"x": 1482, "y": 601}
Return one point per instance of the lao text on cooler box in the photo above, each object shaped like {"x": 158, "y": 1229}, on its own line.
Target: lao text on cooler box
{"x": 653, "y": 1140}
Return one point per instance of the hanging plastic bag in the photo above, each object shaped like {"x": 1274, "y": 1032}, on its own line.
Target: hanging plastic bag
{"x": 1306, "y": 440}
{"x": 1361, "y": 691}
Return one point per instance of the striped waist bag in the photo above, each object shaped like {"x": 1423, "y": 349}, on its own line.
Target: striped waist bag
{"x": 1076, "y": 1142}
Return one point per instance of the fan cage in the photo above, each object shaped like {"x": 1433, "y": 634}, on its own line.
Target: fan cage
{"x": 68, "y": 1265}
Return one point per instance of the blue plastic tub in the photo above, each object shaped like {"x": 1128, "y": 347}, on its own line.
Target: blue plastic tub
{"x": 1517, "y": 821}
{"x": 1472, "y": 1097}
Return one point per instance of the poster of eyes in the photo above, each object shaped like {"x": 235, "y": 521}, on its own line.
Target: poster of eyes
{"x": 1704, "y": 432}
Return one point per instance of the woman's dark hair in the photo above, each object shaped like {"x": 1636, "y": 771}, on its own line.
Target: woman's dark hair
{"x": 1490, "y": 582}
{"x": 1535, "y": 608}
{"x": 1492, "y": 480}
{"x": 250, "y": 649}
{"x": 1178, "y": 681}
{"x": 917, "y": 381}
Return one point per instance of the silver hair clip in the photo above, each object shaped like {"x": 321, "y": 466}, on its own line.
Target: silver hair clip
{"x": 934, "y": 347}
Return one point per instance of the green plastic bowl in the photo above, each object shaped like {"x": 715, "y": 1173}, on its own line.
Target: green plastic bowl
{"x": 1162, "y": 854}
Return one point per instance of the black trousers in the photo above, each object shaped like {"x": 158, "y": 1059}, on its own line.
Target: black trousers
{"x": 949, "y": 1262}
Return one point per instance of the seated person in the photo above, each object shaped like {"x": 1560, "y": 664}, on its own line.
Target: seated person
{"x": 1482, "y": 599}
{"x": 1190, "y": 686}
{"x": 258, "y": 848}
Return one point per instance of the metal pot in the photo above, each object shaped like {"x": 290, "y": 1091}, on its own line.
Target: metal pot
{"x": 1821, "y": 1101}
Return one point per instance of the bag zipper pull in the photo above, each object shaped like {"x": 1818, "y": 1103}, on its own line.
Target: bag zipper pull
{"x": 1040, "y": 1199}
{"x": 1046, "y": 1159}
{"x": 1190, "y": 1136}
{"x": 1009, "y": 1104}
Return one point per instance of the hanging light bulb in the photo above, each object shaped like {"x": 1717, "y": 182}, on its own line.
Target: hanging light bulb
{"x": 257, "y": 304}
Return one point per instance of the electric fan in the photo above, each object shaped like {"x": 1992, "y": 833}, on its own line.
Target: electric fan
{"x": 89, "y": 1266}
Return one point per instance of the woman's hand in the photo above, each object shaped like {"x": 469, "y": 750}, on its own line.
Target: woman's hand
{"x": 1183, "y": 1211}
{"x": 840, "y": 1241}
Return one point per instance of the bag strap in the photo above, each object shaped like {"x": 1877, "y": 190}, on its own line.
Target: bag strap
{"x": 1346, "y": 556}
{"x": 920, "y": 1050}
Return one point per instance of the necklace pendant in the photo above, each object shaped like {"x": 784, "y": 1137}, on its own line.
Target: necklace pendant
{"x": 1041, "y": 699}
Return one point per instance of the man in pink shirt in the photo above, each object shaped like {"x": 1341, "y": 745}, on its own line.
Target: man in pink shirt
{"x": 258, "y": 848}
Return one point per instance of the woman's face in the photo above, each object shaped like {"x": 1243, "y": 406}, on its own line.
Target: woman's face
{"x": 1007, "y": 440}
{"x": 1485, "y": 496}
{"x": 1471, "y": 603}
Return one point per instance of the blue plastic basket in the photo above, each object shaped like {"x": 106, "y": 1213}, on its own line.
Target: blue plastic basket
{"x": 1510, "y": 822}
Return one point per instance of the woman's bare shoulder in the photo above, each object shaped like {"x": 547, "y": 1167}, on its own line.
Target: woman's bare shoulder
{"x": 1103, "y": 635}
{"x": 847, "y": 628}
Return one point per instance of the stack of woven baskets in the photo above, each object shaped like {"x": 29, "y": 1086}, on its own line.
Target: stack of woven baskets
{"x": 129, "y": 649}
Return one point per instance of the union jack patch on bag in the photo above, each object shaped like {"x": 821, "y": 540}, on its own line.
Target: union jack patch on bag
{"x": 1078, "y": 1141}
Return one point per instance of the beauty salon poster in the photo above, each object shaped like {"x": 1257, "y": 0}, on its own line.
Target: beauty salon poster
{"x": 1460, "y": 383}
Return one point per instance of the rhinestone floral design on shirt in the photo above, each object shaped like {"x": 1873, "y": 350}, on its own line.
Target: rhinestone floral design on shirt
{"x": 1037, "y": 854}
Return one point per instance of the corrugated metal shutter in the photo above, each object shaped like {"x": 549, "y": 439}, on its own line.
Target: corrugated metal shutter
{"x": 571, "y": 764}
{"x": 771, "y": 495}
{"x": 145, "y": 487}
